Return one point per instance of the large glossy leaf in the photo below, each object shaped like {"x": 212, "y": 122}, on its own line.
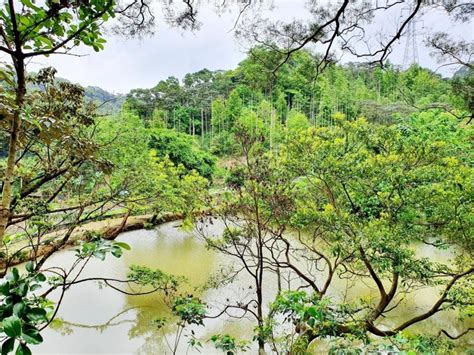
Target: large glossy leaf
{"x": 12, "y": 326}
{"x": 23, "y": 350}
{"x": 32, "y": 336}
{"x": 36, "y": 314}
{"x": 8, "y": 345}
{"x": 5, "y": 288}
{"x": 18, "y": 309}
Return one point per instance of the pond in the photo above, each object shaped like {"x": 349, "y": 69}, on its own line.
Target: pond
{"x": 94, "y": 319}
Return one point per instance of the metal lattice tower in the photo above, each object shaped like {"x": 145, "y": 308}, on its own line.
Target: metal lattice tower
{"x": 411, "y": 47}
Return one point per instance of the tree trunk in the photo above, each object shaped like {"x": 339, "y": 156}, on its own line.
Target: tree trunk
{"x": 261, "y": 341}
{"x": 202, "y": 124}
{"x": 12, "y": 147}
{"x": 259, "y": 279}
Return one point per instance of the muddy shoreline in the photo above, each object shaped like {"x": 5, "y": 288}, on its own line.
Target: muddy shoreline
{"x": 109, "y": 229}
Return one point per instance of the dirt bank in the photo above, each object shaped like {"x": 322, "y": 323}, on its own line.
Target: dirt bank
{"x": 110, "y": 228}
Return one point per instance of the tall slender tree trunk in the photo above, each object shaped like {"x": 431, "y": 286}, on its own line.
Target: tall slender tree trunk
{"x": 202, "y": 124}
{"x": 12, "y": 146}
{"x": 259, "y": 279}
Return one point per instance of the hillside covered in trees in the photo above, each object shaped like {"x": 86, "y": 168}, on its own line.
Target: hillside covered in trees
{"x": 207, "y": 104}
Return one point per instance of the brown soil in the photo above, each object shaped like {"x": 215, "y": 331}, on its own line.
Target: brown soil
{"x": 109, "y": 229}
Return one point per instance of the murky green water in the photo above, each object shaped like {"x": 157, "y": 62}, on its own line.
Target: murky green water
{"x": 101, "y": 320}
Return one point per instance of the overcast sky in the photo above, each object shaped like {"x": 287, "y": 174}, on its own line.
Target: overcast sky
{"x": 127, "y": 64}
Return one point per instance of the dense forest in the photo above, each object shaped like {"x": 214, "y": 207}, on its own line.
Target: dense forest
{"x": 295, "y": 204}
{"x": 208, "y": 104}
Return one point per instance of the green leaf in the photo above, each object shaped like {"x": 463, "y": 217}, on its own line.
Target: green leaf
{"x": 123, "y": 245}
{"x": 13, "y": 275}
{"x": 312, "y": 311}
{"x": 23, "y": 350}
{"x": 9, "y": 79}
{"x": 29, "y": 4}
{"x": 8, "y": 345}
{"x": 5, "y": 288}
{"x": 12, "y": 326}
{"x": 23, "y": 289}
{"x": 45, "y": 40}
{"x": 8, "y": 301}
{"x": 100, "y": 254}
{"x": 117, "y": 252}
{"x": 18, "y": 309}
{"x": 32, "y": 336}
{"x": 40, "y": 278}
{"x": 7, "y": 238}
{"x": 30, "y": 266}
{"x": 36, "y": 315}
{"x": 35, "y": 287}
